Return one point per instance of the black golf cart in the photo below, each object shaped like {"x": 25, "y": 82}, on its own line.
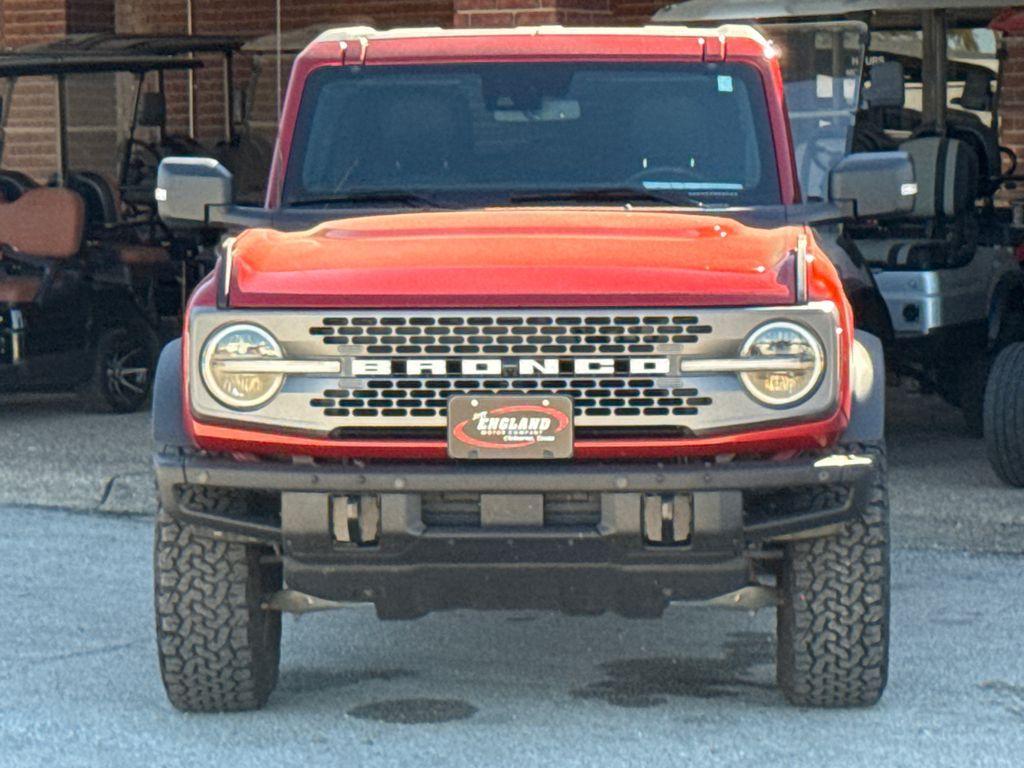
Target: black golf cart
{"x": 943, "y": 286}
{"x": 82, "y": 284}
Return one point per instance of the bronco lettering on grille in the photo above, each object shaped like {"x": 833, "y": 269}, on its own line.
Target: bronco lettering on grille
{"x": 487, "y": 366}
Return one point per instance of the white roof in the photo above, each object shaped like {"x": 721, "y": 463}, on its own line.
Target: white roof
{"x": 722, "y": 10}
{"x": 354, "y": 34}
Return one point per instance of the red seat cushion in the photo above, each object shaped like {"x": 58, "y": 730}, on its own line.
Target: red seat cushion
{"x": 18, "y": 290}
{"x": 46, "y": 222}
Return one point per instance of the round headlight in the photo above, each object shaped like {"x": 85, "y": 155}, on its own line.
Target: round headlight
{"x": 234, "y": 366}
{"x": 786, "y": 363}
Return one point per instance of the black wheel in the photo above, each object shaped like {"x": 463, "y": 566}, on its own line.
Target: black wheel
{"x": 219, "y": 649}
{"x": 1004, "y": 415}
{"x": 123, "y": 370}
{"x": 833, "y": 619}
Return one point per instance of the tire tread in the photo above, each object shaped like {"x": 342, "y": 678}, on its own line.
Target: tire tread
{"x": 1004, "y": 415}
{"x": 833, "y": 621}
{"x": 219, "y": 650}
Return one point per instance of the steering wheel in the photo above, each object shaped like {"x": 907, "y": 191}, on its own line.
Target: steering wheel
{"x": 1010, "y": 155}
{"x": 181, "y": 145}
{"x": 149, "y": 150}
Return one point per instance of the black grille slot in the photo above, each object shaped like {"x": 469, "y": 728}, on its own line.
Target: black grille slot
{"x": 450, "y": 510}
{"x": 627, "y": 397}
{"x": 572, "y": 510}
{"x": 496, "y": 334}
{"x": 462, "y": 510}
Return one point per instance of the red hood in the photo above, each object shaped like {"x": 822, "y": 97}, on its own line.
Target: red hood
{"x": 516, "y": 258}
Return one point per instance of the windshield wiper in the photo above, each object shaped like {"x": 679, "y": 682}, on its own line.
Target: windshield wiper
{"x": 608, "y": 194}
{"x": 363, "y": 197}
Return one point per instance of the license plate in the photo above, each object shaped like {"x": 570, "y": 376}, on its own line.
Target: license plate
{"x": 510, "y": 427}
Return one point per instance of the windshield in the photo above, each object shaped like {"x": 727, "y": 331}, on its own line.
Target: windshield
{"x": 697, "y": 134}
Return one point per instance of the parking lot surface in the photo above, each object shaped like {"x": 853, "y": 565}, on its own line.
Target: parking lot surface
{"x": 80, "y": 685}
{"x": 78, "y": 672}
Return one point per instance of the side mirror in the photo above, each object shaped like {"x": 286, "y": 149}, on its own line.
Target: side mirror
{"x": 188, "y": 187}
{"x": 869, "y": 184}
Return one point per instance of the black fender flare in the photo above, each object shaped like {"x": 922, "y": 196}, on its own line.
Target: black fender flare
{"x": 168, "y": 429}
{"x": 867, "y": 407}
{"x": 1010, "y": 288}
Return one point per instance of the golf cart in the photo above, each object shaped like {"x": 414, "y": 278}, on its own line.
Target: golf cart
{"x": 943, "y": 285}
{"x": 73, "y": 311}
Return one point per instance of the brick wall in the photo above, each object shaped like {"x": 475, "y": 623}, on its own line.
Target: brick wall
{"x": 90, "y": 15}
{"x": 507, "y": 13}
{"x": 1012, "y": 97}
{"x": 30, "y": 144}
{"x": 503, "y": 13}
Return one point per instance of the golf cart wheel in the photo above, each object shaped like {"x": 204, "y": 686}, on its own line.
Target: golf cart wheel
{"x": 833, "y": 618}
{"x": 1004, "y": 415}
{"x": 123, "y": 370}
{"x": 219, "y": 649}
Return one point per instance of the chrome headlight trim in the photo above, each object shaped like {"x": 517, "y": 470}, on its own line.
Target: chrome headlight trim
{"x": 786, "y": 363}
{"x": 210, "y": 382}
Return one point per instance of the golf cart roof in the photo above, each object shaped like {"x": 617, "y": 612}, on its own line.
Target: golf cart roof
{"x": 20, "y": 64}
{"x": 137, "y": 45}
{"x": 293, "y": 41}
{"x": 887, "y": 13}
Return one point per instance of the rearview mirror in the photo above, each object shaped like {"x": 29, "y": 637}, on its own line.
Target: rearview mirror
{"x": 188, "y": 187}
{"x": 869, "y": 184}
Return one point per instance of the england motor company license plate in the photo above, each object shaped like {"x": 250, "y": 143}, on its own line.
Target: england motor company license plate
{"x": 510, "y": 427}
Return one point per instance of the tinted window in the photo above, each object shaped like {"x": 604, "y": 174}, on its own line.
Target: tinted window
{"x": 494, "y": 129}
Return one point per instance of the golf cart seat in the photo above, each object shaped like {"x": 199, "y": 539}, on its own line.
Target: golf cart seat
{"x": 103, "y": 212}
{"x": 984, "y": 141}
{"x": 13, "y": 184}
{"x": 45, "y": 224}
{"x": 947, "y": 179}
{"x": 885, "y": 110}
{"x": 102, "y": 207}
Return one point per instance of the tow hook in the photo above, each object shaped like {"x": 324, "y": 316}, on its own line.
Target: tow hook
{"x": 292, "y": 601}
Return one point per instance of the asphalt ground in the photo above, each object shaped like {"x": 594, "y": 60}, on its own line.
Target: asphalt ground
{"x": 79, "y": 684}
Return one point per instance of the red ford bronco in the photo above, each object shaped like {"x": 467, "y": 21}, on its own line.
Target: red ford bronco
{"x": 531, "y": 319}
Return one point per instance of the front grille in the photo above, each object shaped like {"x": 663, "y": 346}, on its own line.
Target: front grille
{"x": 625, "y": 397}
{"x": 598, "y": 400}
{"x": 397, "y": 369}
{"x": 462, "y": 510}
{"x": 496, "y": 334}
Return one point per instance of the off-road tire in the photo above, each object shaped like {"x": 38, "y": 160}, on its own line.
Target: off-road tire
{"x": 833, "y": 618}
{"x": 219, "y": 650}
{"x": 1004, "y": 415}
{"x": 98, "y": 393}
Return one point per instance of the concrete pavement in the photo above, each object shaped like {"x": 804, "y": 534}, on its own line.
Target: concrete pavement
{"x": 80, "y": 686}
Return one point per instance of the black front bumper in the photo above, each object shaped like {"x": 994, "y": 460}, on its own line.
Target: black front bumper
{"x": 607, "y": 563}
